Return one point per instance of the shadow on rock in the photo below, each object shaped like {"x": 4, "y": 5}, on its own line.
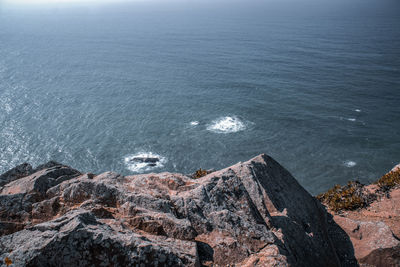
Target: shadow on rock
{"x": 304, "y": 231}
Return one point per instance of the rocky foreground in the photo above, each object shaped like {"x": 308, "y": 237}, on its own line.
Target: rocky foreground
{"x": 250, "y": 214}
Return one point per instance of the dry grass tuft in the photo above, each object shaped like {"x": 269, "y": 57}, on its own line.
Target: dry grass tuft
{"x": 200, "y": 173}
{"x": 389, "y": 180}
{"x": 348, "y": 197}
{"x": 354, "y": 196}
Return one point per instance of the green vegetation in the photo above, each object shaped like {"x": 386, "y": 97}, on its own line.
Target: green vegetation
{"x": 347, "y": 197}
{"x": 389, "y": 180}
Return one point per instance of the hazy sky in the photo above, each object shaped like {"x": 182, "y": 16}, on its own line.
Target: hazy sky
{"x": 35, "y": 2}
{"x": 41, "y": 2}
{"x": 93, "y": 3}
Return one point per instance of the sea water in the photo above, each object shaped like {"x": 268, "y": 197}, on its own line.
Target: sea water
{"x": 314, "y": 84}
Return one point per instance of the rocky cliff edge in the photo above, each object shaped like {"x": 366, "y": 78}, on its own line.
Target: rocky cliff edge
{"x": 250, "y": 214}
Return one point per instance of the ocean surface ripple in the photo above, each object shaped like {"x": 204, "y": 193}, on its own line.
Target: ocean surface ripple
{"x": 179, "y": 87}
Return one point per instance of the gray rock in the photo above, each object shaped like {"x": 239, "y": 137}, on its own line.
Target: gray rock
{"x": 40, "y": 181}
{"x": 146, "y": 159}
{"x": 20, "y": 171}
{"x": 79, "y": 239}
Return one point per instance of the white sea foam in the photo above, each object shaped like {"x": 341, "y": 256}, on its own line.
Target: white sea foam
{"x": 349, "y": 163}
{"x": 357, "y": 110}
{"x": 139, "y": 166}
{"x": 194, "y": 123}
{"x": 351, "y": 119}
{"x": 227, "y": 124}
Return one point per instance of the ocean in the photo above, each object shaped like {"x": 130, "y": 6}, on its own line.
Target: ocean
{"x": 314, "y": 84}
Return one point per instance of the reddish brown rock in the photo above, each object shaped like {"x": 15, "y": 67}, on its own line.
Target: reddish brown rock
{"x": 367, "y": 236}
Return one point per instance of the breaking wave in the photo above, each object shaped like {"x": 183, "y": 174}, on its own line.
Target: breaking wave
{"x": 228, "y": 124}
{"x": 144, "y": 161}
{"x": 349, "y": 163}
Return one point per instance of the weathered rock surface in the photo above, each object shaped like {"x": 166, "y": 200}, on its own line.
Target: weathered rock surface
{"x": 15, "y": 173}
{"x": 251, "y": 214}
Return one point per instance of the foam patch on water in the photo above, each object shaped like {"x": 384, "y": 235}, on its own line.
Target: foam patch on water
{"x": 194, "y": 123}
{"x": 228, "y": 124}
{"x": 139, "y": 166}
{"x": 357, "y": 110}
{"x": 349, "y": 163}
{"x": 351, "y": 119}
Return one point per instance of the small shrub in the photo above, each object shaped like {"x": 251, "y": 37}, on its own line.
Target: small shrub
{"x": 7, "y": 261}
{"x": 200, "y": 173}
{"x": 389, "y": 180}
{"x": 347, "y": 197}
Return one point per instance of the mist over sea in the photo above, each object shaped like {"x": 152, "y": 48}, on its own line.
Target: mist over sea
{"x": 314, "y": 84}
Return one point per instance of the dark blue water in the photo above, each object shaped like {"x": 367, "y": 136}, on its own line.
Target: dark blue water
{"x": 316, "y": 85}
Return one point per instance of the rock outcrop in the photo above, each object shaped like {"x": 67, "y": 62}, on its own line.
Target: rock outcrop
{"x": 250, "y": 214}
{"x": 373, "y": 226}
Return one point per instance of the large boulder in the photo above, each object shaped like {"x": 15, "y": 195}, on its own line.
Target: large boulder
{"x": 40, "y": 181}
{"x": 250, "y": 214}
{"x": 21, "y": 197}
